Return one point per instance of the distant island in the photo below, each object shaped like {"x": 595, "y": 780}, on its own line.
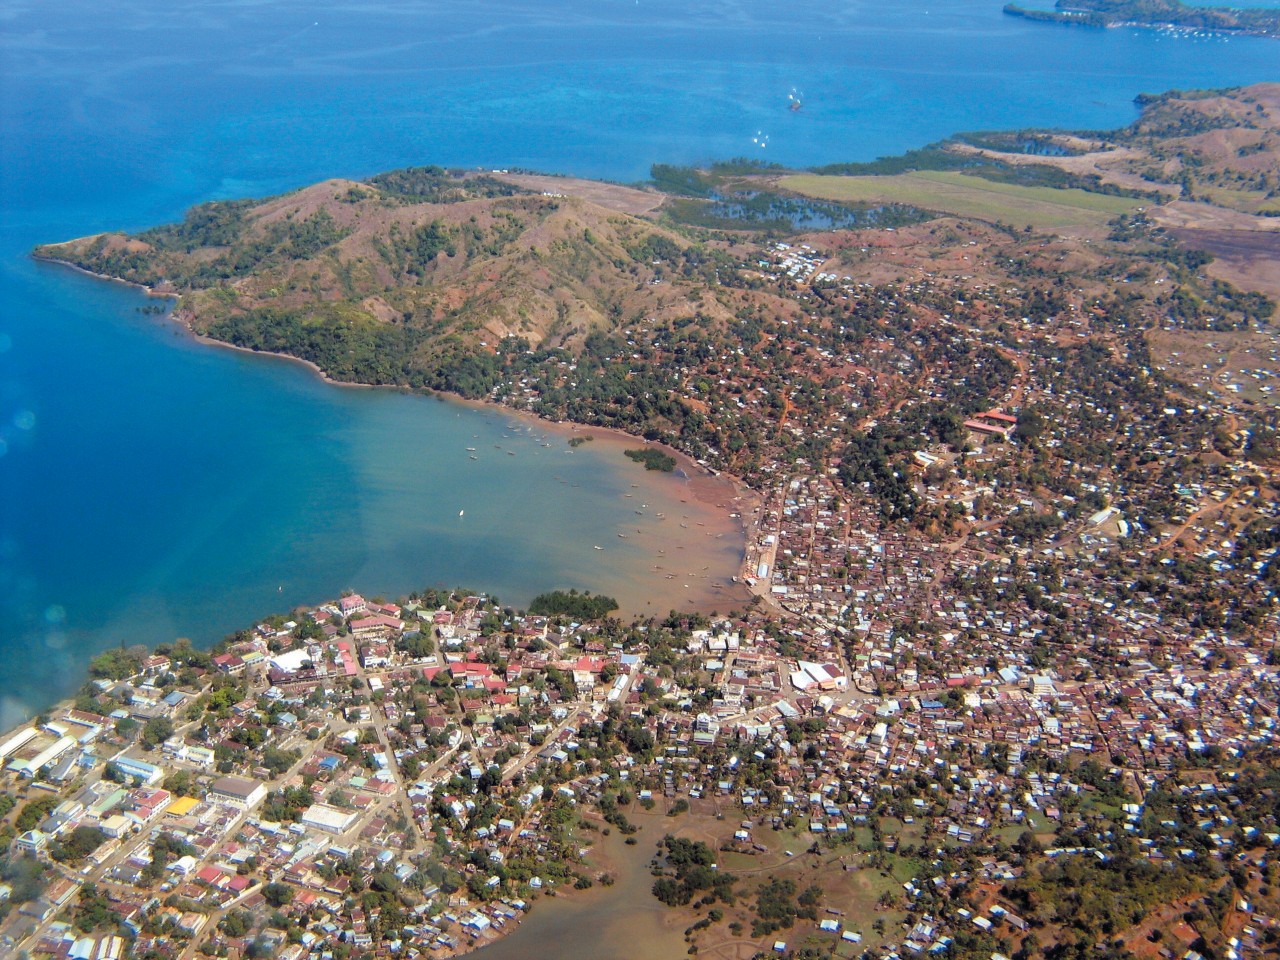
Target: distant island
{"x": 1255, "y": 22}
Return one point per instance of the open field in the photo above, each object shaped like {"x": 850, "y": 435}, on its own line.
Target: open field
{"x": 1249, "y": 259}
{"x": 1223, "y": 363}
{"x": 856, "y": 890}
{"x": 1041, "y": 208}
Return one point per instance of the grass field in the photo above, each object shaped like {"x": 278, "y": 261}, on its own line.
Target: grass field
{"x": 1041, "y": 208}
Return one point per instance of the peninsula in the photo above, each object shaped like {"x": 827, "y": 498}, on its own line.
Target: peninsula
{"x": 1008, "y": 682}
{"x": 1160, "y": 14}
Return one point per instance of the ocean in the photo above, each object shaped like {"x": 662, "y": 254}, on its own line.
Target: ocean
{"x": 151, "y": 487}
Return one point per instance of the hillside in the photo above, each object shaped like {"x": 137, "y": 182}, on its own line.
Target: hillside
{"x": 1016, "y": 437}
{"x": 742, "y": 314}
{"x": 385, "y": 281}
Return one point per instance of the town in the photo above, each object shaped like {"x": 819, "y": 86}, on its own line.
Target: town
{"x": 1004, "y": 684}
{"x": 407, "y": 779}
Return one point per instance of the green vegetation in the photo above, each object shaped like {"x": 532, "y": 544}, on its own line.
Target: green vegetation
{"x": 571, "y": 603}
{"x": 960, "y": 194}
{"x": 683, "y": 181}
{"x": 348, "y": 345}
{"x": 81, "y": 842}
{"x": 690, "y": 869}
{"x": 437, "y": 185}
{"x": 216, "y": 224}
{"x": 92, "y": 912}
{"x": 779, "y": 213}
{"x": 277, "y": 894}
{"x": 223, "y": 227}
{"x": 778, "y": 907}
{"x": 116, "y": 664}
{"x": 34, "y": 813}
{"x": 156, "y": 731}
{"x": 1099, "y": 898}
{"x": 941, "y": 158}
{"x": 26, "y": 875}
{"x": 165, "y": 848}
{"x": 653, "y": 459}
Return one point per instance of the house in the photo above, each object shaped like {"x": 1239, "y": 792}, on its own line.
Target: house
{"x": 229, "y": 663}
{"x": 350, "y": 605}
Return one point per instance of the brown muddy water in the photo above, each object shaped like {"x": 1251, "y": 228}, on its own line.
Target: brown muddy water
{"x": 621, "y": 922}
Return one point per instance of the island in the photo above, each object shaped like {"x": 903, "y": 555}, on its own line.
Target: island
{"x": 1160, "y": 14}
{"x": 1006, "y": 683}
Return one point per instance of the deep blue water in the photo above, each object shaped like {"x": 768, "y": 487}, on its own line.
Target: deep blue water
{"x": 151, "y": 488}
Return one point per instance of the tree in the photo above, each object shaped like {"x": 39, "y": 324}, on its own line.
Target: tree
{"x": 156, "y": 731}
{"x": 277, "y": 894}
{"x": 33, "y": 814}
{"x": 178, "y": 783}
{"x": 79, "y": 844}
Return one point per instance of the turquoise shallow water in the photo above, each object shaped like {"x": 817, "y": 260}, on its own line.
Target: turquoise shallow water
{"x": 150, "y": 487}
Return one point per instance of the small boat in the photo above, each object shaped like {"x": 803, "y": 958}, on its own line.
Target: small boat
{"x": 461, "y": 512}
{"x": 597, "y": 548}
{"x": 471, "y": 449}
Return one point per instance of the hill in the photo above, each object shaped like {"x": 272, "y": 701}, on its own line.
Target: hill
{"x": 743, "y": 314}
{"x": 391, "y": 280}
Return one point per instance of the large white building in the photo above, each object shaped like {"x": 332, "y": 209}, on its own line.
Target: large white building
{"x": 329, "y": 819}
{"x": 29, "y": 768}
{"x": 237, "y": 792}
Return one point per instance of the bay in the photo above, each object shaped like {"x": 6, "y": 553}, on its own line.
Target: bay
{"x": 151, "y": 487}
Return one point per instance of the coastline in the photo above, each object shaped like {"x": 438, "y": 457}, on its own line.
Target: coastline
{"x": 718, "y": 493}
{"x": 149, "y": 291}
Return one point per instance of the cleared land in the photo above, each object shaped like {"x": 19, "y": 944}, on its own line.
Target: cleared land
{"x": 1041, "y": 208}
{"x": 612, "y": 196}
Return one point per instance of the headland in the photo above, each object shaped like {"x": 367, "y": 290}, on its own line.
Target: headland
{"x": 1015, "y": 441}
